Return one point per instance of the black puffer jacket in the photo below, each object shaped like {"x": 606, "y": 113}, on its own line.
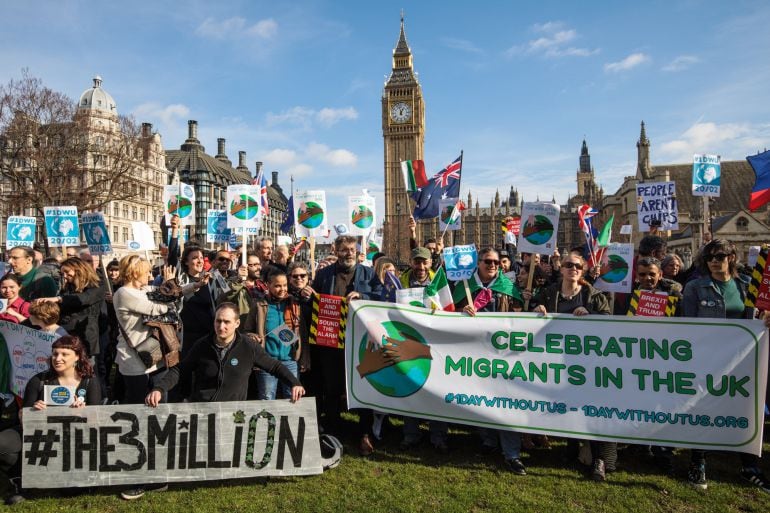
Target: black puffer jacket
{"x": 80, "y": 315}
{"x": 227, "y": 379}
{"x": 592, "y": 299}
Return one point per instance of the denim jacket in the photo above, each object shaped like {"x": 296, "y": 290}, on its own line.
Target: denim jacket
{"x": 702, "y": 298}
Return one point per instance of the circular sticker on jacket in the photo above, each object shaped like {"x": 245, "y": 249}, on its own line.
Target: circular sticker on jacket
{"x": 82, "y": 392}
{"x": 234, "y": 362}
{"x": 60, "y": 395}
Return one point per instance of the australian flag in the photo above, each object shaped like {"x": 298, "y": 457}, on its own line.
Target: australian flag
{"x": 389, "y": 288}
{"x": 444, "y": 184}
{"x": 288, "y": 218}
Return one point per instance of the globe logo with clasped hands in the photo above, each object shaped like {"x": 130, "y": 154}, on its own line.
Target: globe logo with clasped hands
{"x": 400, "y": 365}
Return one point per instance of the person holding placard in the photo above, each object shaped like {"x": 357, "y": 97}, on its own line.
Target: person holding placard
{"x": 275, "y": 321}
{"x": 80, "y": 301}
{"x": 34, "y": 284}
{"x": 16, "y": 309}
{"x": 719, "y": 294}
{"x": 495, "y": 292}
{"x": 70, "y": 380}
{"x": 197, "y": 311}
{"x": 573, "y": 295}
{"x": 351, "y": 280}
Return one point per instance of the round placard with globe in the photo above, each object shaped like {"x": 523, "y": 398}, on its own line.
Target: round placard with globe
{"x": 362, "y": 217}
{"x": 244, "y": 207}
{"x": 371, "y": 250}
{"x": 405, "y": 377}
{"x": 310, "y": 214}
{"x": 180, "y": 206}
{"x": 537, "y": 230}
{"x": 614, "y": 269}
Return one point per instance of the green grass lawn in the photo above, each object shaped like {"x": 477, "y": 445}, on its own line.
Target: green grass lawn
{"x": 462, "y": 481}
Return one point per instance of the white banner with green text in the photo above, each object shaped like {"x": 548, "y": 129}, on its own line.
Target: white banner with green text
{"x": 675, "y": 382}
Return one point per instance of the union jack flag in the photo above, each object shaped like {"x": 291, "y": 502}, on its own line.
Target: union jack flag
{"x": 262, "y": 182}
{"x": 585, "y": 213}
{"x": 452, "y": 171}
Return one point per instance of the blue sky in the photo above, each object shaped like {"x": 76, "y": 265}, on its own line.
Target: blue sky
{"x": 516, "y": 85}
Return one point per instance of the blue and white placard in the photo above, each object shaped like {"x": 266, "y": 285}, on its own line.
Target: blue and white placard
{"x": 460, "y": 262}
{"x": 61, "y": 226}
{"x": 20, "y": 231}
{"x": 95, "y": 230}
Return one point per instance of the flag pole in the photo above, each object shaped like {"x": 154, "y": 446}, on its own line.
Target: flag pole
{"x": 529, "y": 278}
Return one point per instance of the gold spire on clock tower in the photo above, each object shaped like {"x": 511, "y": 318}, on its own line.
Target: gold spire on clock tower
{"x": 403, "y": 131}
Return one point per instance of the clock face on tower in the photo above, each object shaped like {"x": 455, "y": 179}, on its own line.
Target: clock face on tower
{"x": 400, "y": 112}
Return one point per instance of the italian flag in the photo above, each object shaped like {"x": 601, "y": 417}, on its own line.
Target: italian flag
{"x": 414, "y": 174}
{"x": 438, "y": 294}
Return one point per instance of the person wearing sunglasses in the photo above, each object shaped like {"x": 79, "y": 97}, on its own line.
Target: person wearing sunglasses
{"x": 719, "y": 294}
{"x": 493, "y": 291}
{"x": 302, "y": 292}
{"x": 572, "y": 294}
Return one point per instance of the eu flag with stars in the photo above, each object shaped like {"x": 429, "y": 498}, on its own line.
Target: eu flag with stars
{"x": 444, "y": 184}
{"x": 389, "y": 288}
{"x": 288, "y": 218}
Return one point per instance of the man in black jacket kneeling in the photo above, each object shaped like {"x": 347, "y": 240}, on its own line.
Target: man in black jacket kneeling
{"x": 221, "y": 364}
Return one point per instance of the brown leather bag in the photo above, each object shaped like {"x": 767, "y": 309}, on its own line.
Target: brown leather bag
{"x": 169, "y": 342}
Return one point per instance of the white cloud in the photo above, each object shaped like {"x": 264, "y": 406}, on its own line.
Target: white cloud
{"x": 265, "y": 29}
{"x": 280, "y": 157}
{"x": 305, "y": 117}
{"x": 299, "y": 171}
{"x": 461, "y": 44}
{"x": 237, "y": 27}
{"x": 296, "y": 116}
{"x": 731, "y": 140}
{"x": 630, "y": 62}
{"x": 337, "y": 158}
{"x": 328, "y": 116}
{"x": 554, "y": 42}
{"x": 681, "y": 63}
{"x": 166, "y": 115}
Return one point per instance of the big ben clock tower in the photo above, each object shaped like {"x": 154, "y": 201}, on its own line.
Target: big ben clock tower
{"x": 403, "y": 131}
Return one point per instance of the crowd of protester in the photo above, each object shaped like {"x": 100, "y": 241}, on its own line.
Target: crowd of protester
{"x": 103, "y": 317}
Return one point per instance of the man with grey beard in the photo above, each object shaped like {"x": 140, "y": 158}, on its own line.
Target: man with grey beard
{"x": 351, "y": 280}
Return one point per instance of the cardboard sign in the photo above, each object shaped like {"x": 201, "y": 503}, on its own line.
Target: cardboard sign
{"x": 95, "y": 230}
{"x": 20, "y": 231}
{"x": 362, "y": 214}
{"x": 460, "y": 262}
{"x": 414, "y": 296}
{"x": 539, "y": 230}
{"x": 310, "y": 216}
{"x": 243, "y": 206}
{"x": 657, "y": 205}
{"x": 29, "y": 351}
{"x": 179, "y": 199}
{"x": 144, "y": 235}
{"x": 330, "y": 314}
{"x": 58, "y": 395}
{"x": 615, "y": 269}
{"x": 61, "y": 226}
{"x": 179, "y": 442}
{"x": 646, "y": 303}
{"x": 446, "y": 220}
{"x": 216, "y": 226}
{"x": 758, "y": 293}
{"x": 706, "y": 175}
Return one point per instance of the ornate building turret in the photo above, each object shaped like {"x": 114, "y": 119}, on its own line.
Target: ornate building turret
{"x": 643, "y": 167}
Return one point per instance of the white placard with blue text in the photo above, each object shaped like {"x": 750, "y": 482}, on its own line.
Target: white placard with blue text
{"x": 20, "y": 231}
{"x": 706, "y": 175}
{"x": 657, "y": 204}
{"x": 216, "y": 226}
{"x": 61, "y": 226}
{"x": 460, "y": 262}
{"x": 95, "y": 230}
